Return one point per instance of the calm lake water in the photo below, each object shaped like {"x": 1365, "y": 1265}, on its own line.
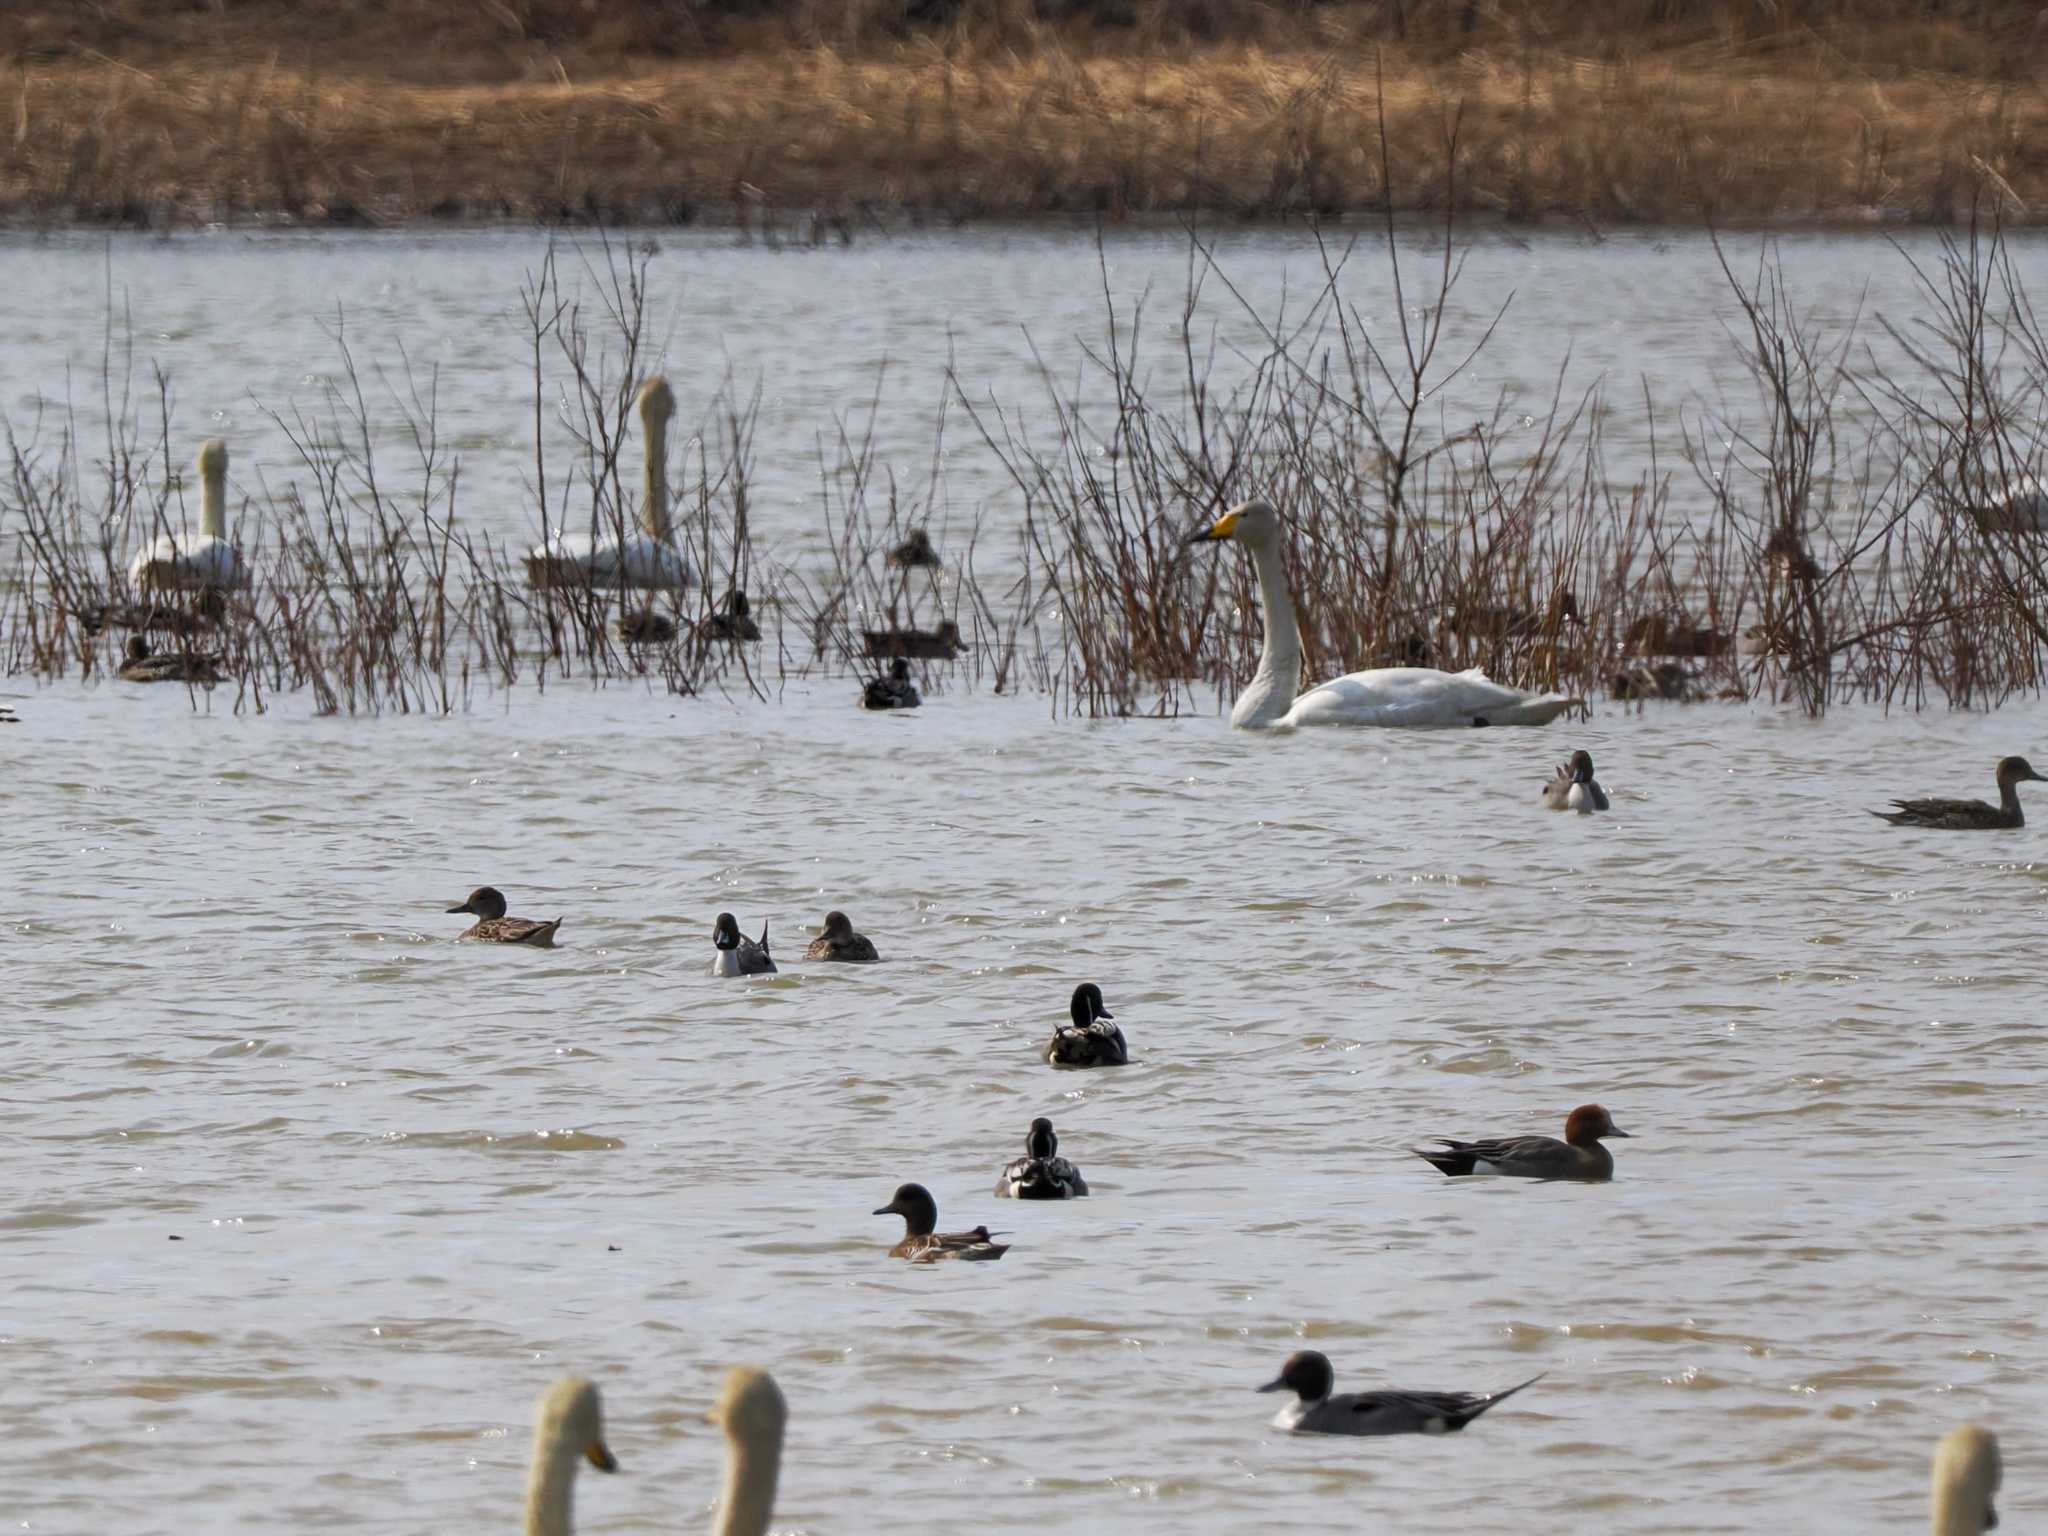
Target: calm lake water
{"x": 413, "y": 1181}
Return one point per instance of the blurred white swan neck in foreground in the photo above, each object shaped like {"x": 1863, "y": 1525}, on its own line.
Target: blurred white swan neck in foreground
{"x": 1414, "y": 697}
{"x": 193, "y": 560}
{"x": 752, "y": 1413}
{"x": 568, "y": 1427}
{"x": 1966, "y": 1478}
{"x": 647, "y": 559}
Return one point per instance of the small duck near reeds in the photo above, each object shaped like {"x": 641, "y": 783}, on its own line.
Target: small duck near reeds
{"x": 1676, "y": 633}
{"x": 941, "y": 644}
{"x": 1966, "y": 1479}
{"x": 922, "y": 1242}
{"x": 1510, "y": 622}
{"x": 568, "y": 1430}
{"x": 916, "y": 552}
{"x": 1317, "y": 1411}
{"x": 208, "y": 606}
{"x": 840, "y": 942}
{"x": 144, "y": 665}
{"x": 1578, "y": 1156}
{"x": 644, "y": 626}
{"x": 894, "y": 691}
{"x": 1093, "y": 1039}
{"x": 487, "y": 904}
{"x": 1673, "y": 682}
{"x": 1041, "y": 1173}
{"x": 732, "y": 621}
{"x": 2021, "y": 507}
{"x": 1969, "y": 815}
{"x": 737, "y": 954}
{"x": 1573, "y": 787}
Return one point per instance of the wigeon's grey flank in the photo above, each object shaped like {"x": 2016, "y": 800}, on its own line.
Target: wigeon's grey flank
{"x": 1041, "y": 1173}
{"x": 840, "y": 942}
{"x": 487, "y": 904}
{"x": 1969, "y": 815}
{"x": 1316, "y": 1412}
{"x": 1966, "y": 1477}
{"x": 1093, "y": 1039}
{"x": 1578, "y": 1156}
{"x": 737, "y": 954}
{"x": 1574, "y": 788}
{"x": 921, "y": 1243}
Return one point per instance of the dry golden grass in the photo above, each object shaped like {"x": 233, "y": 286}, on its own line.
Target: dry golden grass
{"x": 667, "y": 111}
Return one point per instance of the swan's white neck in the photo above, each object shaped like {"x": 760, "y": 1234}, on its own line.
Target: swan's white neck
{"x": 213, "y": 500}
{"x": 748, "y": 1503}
{"x": 551, "y": 1487}
{"x": 1270, "y": 693}
{"x": 654, "y": 488}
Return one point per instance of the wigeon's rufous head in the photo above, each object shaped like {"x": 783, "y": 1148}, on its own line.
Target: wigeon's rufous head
{"x": 1588, "y": 1124}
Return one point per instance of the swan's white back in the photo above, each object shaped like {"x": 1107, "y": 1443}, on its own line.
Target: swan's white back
{"x": 194, "y": 559}
{"x": 647, "y": 560}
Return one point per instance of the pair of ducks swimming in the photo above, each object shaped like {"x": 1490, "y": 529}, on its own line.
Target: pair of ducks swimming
{"x": 568, "y": 1430}
{"x": 737, "y": 954}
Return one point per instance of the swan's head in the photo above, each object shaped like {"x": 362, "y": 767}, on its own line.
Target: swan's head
{"x": 725, "y": 932}
{"x": 1041, "y": 1142}
{"x": 1307, "y": 1374}
{"x": 1966, "y": 1476}
{"x": 1087, "y": 1005}
{"x": 656, "y": 403}
{"x": 914, "y": 1203}
{"x": 1582, "y": 767}
{"x": 1588, "y": 1123}
{"x": 570, "y": 1420}
{"x": 213, "y": 457}
{"x": 484, "y": 901}
{"x": 838, "y": 926}
{"x": 2011, "y": 770}
{"x": 1249, "y": 522}
{"x": 750, "y": 1407}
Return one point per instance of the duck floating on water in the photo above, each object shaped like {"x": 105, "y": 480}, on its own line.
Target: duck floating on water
{"x": 893, "y": 691}
{"x": 733, "y": 621}
{"x": 1093, "y": 1039}
{"x": 1041, "y": 1173}
{"x": 922, "y": 1243}
{"x": 753, "y": 1415}
{"x": 1410, "y": 697}
{"x": 1574, "y": 788}
{"x": 1969, "y": 815}
{"x": 1316, "y": 1412}
{"x": 646, "y": 560}
{"x": 915, "y": 552}
{"x": 840, "y": 942}
{"x": 189, "y": 560}
{"x": 144, "y": 665}
{"x": 492, "y": 926}
{"x": 1966, "y": 1479}
{"x": 739, "y": 955}
{"x": 1578, "y": 1156}
{"x": 568, "y": 1429}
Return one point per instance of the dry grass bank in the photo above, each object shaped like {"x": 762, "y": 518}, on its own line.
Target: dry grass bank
{"x": 164, "y": 110}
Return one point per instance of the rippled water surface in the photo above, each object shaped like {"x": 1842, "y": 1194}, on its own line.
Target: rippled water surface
{"x": 308, "y": 1202}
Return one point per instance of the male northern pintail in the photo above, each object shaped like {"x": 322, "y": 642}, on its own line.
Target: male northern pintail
{"x": 487, "y": 903}
{"x": 1969, "y": 815}
{"x": 1578, "y": 1156}
{"x": 739, "y": 955}
{"x": 1041, "y": 1173}
{"x": 144, "y": 665}
{"x": 921, "y": 1243}
{"x": 1966, "y": 1478}
{"x": 1316, "y": 1412}
{"x": 840, "y": 942}
{"x": 568, "y": 1430}
{"x": 1574, "y": 788}
{"x": 1093, "y": 1039}
{"x": 895, "y": 691}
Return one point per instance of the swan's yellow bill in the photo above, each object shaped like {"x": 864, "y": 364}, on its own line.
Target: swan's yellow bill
{"x": 1222, "y": 528}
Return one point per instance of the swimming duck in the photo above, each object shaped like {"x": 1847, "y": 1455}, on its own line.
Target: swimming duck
{"x": 1966, "y": 1478}
{"x": 568, "y": 1428}
{"x": 193, "y": 560}
{"x": 1093, "y": 1039}
{"x": 739, "y": 955}
{"x": 7, "y": 716}
{"x": 1041, "y": 1174}
{"x": 840, "y": 942}
{"x": 1578, "y": 1156}
{"x": 733, "y": 621}
{"x": 895, "y": 691}
{"x": 752, "y": 1413}
{"x": 915, "y": 552}
{"x": 146, "y": 666}
{"x": 1574, "y": 788}
{"x": 921, "y": 1244}
{"x": 1315, "y": 1412}
{"x": 1412, "y": 697}
{"x": 644, "y": 626}
{"x": 1969, "y": 815}
{"x": 492, "y": 926}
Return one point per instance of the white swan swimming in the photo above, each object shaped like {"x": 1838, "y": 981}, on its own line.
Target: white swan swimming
{"x": 568, "y": 1427}
{"x": 1966, "y": 1477}
{"x": 189, "y": 560}
{"x": 1414, "y": 697}
{"x": 752, "y": 1413}
{"x": 648, "y": 559}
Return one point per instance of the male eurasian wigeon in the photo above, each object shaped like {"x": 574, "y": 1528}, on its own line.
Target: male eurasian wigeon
{"x": 1041, "y": 1173}
{"x": 1316, "y": 1412}
{"x": 1578, "y": 1156}
{"x": 921, "y": 1243}
{"x": 1093, "y": 1039}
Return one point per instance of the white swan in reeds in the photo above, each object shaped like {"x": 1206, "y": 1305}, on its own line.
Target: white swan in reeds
{"x": 568, "y": 1428}
{"x": 1414, "y": 697}
{"x": 1966, "y": 1476}
{"x": 752, "y": 1413}
{"x": 189, "y": 560}
{"x": 647, "y": 560}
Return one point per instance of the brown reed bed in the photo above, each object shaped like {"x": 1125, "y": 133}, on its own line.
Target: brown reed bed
{"x": 812, "y": 121}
